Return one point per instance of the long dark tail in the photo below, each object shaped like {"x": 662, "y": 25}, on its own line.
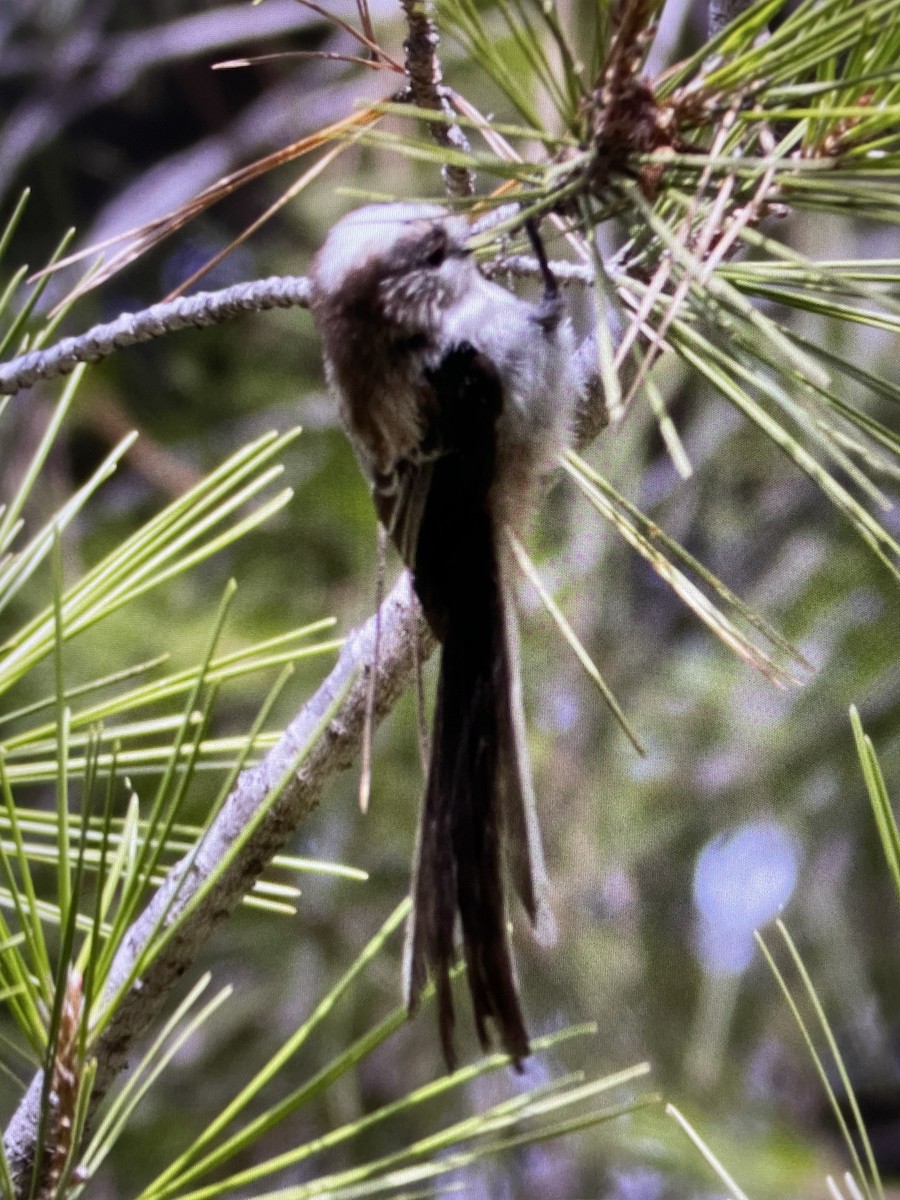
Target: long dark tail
{"x": 477, "y": 818}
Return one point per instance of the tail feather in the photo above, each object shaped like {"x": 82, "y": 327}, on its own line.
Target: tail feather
{"x": 477, "y": 821}
{"x": 477, "y": 816}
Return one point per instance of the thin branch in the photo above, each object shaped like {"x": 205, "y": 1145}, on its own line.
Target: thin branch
{"x": 211, "y": 308}
{"x": 130, "y": 329}
{"x": 427, "y": 90}
{"x": 526, "y": 266}
{"x": 279, "y": 291}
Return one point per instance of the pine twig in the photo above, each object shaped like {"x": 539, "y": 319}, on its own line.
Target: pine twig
{"x": 427, "y": 90}
{"x": 130, "y": 329}
{"x": 278, "y": 291}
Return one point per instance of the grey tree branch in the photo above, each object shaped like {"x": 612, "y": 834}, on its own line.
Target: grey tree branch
{"x": 129, "y": 329}
{"x": 426, "y": 89}
{"x": 198, "y": 311}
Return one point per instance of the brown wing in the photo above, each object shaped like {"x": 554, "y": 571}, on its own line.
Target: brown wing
{"x": 400, "y": 501}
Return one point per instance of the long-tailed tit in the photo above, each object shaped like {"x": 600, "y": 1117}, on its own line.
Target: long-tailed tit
{"x": 457, "y": 396}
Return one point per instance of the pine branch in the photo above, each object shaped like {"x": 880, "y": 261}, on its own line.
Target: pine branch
{"x": 130, "y": 329}
{"x": 278, "y": 291}
{"x": 427, "y": 90}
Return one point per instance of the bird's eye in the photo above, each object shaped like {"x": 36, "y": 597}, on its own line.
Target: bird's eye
{"x": 437, "y": 253}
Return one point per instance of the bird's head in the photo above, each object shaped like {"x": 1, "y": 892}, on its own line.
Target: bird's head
{"x": 407, "y": 263}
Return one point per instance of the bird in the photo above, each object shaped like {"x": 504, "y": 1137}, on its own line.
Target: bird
{"x": 457, "y": 397}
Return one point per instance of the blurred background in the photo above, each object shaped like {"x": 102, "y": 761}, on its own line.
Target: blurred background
{"x": 750, "y": 801}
